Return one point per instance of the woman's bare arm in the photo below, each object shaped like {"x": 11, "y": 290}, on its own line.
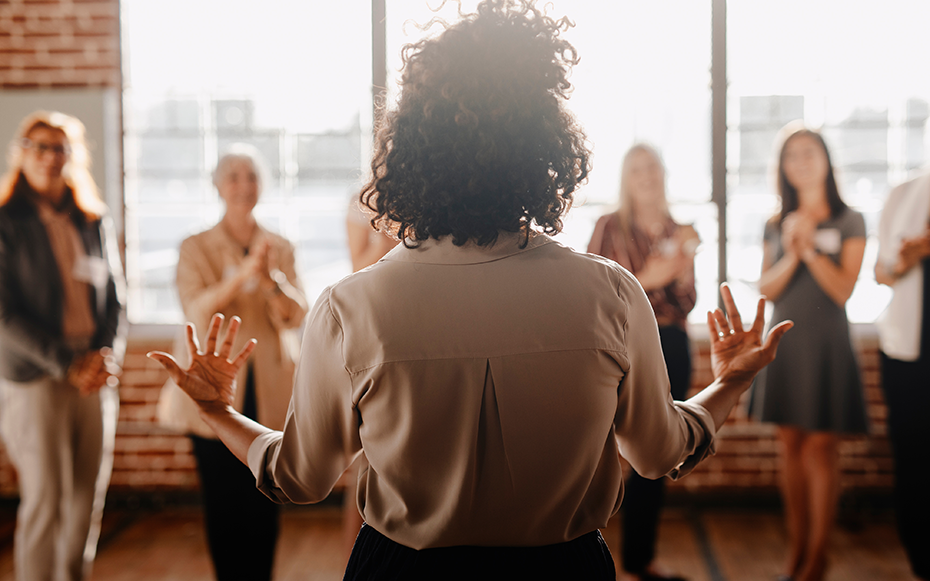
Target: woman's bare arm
{"x": 776, "y": 275}
{"x": 837, "y": 280}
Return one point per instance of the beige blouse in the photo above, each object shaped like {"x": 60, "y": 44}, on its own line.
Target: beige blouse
{"x": 205, "y": 260}
{"x": 491, "y": 391}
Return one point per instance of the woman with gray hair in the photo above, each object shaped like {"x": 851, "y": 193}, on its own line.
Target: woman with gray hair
{"x": 239, "y": 268}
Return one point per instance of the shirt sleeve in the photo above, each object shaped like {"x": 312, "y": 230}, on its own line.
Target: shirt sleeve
{"x": 888, "y": 241}
{"x": 853, "y": 225}
{"x": 113, "y": 332}
{"x": 657, "y": 435}
{"x": 320, "y": 439}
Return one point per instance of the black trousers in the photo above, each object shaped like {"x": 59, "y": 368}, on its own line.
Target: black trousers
{"x": 643, "y": 498}
{"x": 377, "y": 558}
{"x": 241, "y": 522}
{"x": 907, "y": 394}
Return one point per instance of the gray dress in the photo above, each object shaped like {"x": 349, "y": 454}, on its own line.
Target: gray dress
{"x": 814, "y": 382}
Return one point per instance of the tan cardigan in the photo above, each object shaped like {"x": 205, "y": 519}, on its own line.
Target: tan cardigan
{"x": 489, "y": 390}
{"x": 204, "y": 260}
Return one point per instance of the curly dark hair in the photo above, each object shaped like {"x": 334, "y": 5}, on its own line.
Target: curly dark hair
{"x": 481, "y": 141}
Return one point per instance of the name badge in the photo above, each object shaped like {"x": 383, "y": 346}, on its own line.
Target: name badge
{"x": 828, "y": 241}
{"x": 93, "y": 270}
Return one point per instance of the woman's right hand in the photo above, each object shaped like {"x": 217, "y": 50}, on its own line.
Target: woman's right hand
{"x": 211, "y": 377}
{"x": 912, "y": 251}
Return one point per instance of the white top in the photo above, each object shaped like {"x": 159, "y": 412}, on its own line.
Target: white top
{"x": 491, "y": 390}
{"x": 906, "y": 214}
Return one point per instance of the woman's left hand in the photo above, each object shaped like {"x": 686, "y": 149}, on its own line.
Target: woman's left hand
{"x": 736, "y": 354}
{"x": 211, "y": 377}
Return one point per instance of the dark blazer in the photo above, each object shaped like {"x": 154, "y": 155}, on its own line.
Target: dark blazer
{"x": 31, "y": 299}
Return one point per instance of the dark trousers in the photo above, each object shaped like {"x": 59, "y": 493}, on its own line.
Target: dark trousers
{"x": 377, "y": 558}
{"x": 643, "y": 498}
{"x": 907, "y": 394}
{"x": 241, "y": 522}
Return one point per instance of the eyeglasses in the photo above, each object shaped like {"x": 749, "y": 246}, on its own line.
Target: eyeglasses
{"x": 59, "y": 149}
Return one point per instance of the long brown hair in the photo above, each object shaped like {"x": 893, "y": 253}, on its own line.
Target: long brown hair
{"x": 787, "y": 192}
{"x": 76, "y": 171}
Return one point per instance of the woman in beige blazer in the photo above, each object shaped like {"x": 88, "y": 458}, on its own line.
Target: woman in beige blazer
{"x": 239, "y": 268}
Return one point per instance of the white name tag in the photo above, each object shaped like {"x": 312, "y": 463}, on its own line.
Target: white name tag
{"x": 92, "y": 270}
{"x": 828, "y": 241}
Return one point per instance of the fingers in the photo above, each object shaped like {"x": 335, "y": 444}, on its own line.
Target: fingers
{"x": 717, "y": 325}
{"x": 193, "y": 347}
{"x": 711, "y": 326}
{"x": 244, "y": 353}
{"x": 215, "y": 323}
{"x": 722, "y": 325}
{"x": 771, "y": 342}
{"x": 730, "y": 305}
{"x": 759, "y": 323}
{"x": 169, "y": 363}
{"x": 229, "y": 338}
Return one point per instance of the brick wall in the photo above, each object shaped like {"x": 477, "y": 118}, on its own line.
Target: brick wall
{"x": 747, "y": 452}
{"x": 59, "y": 43}
{"x": 151, "y": 459}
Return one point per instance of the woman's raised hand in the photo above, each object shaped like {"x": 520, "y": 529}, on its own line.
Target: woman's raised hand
{"x": 211, "y": 377}
{"x": 737, "y": 354}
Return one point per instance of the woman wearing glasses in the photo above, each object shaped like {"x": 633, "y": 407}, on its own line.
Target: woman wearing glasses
{"x": 60, "y": 340}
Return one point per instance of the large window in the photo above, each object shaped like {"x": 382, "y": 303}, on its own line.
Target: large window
{"x": 294, "y": 80}
{"x": 290, "y": 78}
{"x": 634, "y": 83}
{"x": 854, "y": 73}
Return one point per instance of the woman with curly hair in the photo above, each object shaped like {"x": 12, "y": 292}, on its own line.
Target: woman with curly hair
{"x": 487, "y": 375}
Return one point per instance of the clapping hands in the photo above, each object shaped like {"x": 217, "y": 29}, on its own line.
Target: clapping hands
{"x": 912, "y": 251}
{"x": 92, "y": 370}
{"x": 798, "y": 233}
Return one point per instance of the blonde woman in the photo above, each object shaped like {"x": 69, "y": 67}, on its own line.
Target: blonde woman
{"x": 61, "y": 335}
{"x": 643, "y": 238}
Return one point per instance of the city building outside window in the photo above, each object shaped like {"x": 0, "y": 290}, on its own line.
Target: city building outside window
{"x": 295, "y": 81}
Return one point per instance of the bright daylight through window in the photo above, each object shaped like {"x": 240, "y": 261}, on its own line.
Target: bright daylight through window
{"x": 296, "y": 84}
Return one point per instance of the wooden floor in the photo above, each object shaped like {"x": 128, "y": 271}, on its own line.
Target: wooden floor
{"x": 704, "y": 544}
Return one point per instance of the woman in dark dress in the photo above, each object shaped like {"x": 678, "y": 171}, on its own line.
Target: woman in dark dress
{"x": 812, "y": 254}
